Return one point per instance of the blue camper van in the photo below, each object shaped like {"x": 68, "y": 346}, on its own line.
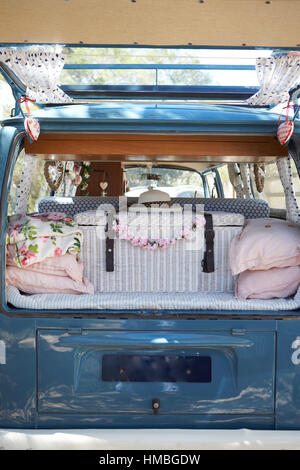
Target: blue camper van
{"x": 150, "y": 251}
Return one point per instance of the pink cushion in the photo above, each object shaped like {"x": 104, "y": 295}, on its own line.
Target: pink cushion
{"x": 265, "y": 244}
{"x": 32, "y": 282}
{"x": 65, "y": 265}
{"x": 274, "y": 283}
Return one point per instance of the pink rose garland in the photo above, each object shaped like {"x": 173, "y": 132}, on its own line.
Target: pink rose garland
{"x": 157, "y": 243}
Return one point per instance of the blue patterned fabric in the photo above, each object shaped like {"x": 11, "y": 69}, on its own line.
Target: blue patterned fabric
{"x": 74, "y": 205}
{"x": 250, "y": 208}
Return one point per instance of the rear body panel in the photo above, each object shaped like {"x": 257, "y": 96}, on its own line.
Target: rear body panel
{"x": 65, "y": 386}
{"x": 51, "y": 374}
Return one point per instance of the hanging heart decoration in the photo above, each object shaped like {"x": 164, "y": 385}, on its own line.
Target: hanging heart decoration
{"x": 259, "y": 175}
{"x": 32, "y": 128}
{"x": 54, "y": 178}
{"x": 286, "y": 128}
{"x": 285, "y": 131}
{"x": 31, "y": 124}
{"x": 103, "y": 185}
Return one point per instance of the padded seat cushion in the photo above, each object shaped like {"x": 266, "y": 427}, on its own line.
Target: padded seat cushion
{"x": 249, "y": 208}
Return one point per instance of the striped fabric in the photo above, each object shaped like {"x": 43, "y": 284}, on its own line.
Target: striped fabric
{"x": 200, "y": 302}
{"x": 176, "y": 269}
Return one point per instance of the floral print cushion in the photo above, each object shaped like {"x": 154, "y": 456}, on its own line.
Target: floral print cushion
{"x": 39, "y": 236}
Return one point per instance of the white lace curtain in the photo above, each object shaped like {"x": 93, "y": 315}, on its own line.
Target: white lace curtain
{"x": 239, "y": 176}
{"x": 23, "y": 189}
{"x": 276, "y": 75}
{"x": 66, "y": 188}
{"x": 285, "y": 172}
{"x": 39, "y": 69}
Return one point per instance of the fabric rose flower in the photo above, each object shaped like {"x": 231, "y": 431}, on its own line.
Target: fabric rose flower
{"x": 57, "y": 252}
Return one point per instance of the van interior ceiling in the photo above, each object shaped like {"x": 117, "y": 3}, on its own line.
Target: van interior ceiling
{"x": 257, "y": 23}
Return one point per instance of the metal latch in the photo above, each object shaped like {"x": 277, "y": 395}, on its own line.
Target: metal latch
{"x": 155, "y": 405}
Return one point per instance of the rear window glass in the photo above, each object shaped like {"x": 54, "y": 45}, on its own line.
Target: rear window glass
{"x": 177, "y": 182}
{"x": 157, "y": 66}
{"x": 273, "y": 190}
